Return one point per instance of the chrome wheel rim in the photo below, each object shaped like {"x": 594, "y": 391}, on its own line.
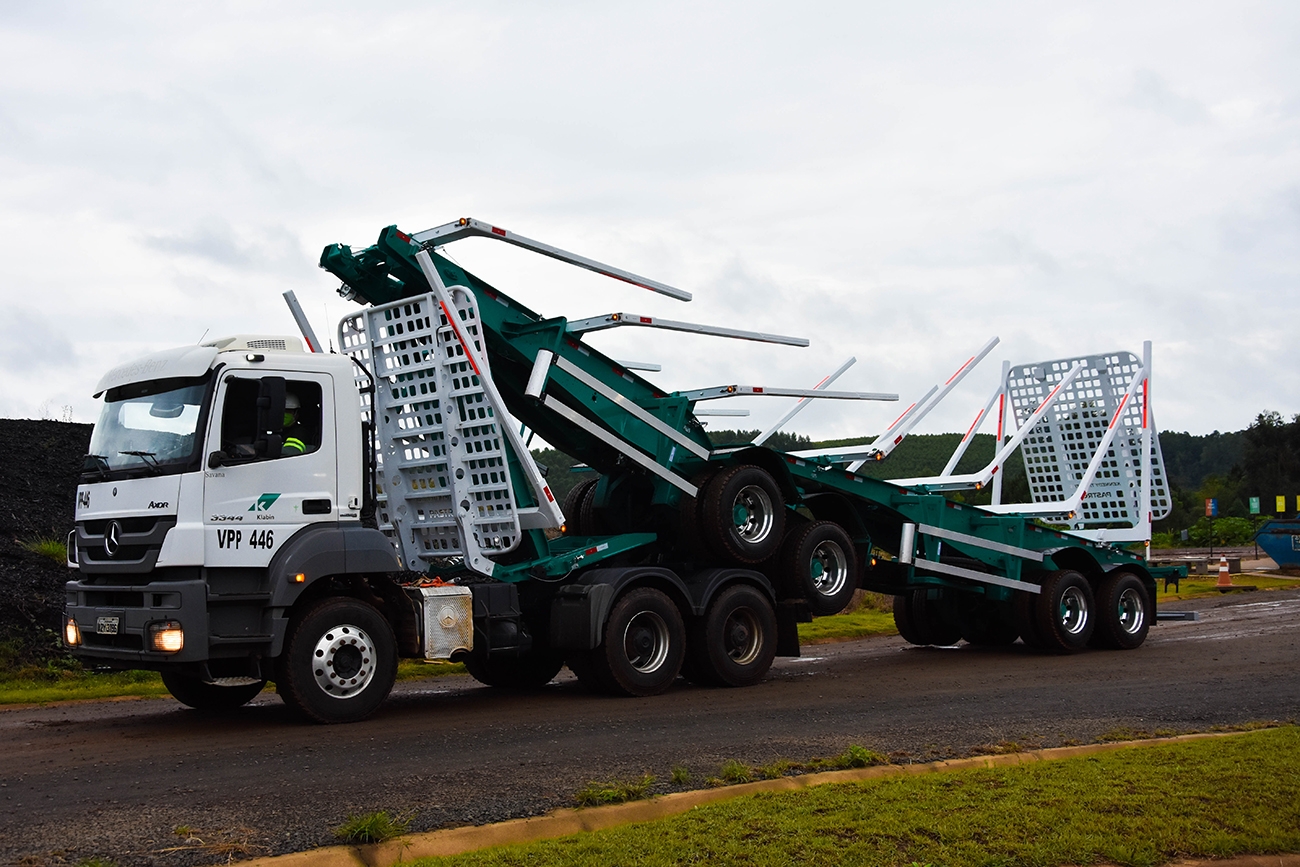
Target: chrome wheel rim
{"x": 742, "y": 636}
{"x": 752, "y": 514}
{"x": 1074, "y": 610}
{"x": 645, "y": 641}
{"x": 343, "y": 661}
{"x": 1132, "y": 611}
{"x": 828, "y": 569}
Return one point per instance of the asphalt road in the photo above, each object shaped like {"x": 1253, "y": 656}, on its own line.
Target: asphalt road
{"x": 116, "y": 779}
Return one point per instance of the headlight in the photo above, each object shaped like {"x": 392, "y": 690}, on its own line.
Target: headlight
{"x": 166, "y": 636}
{"x": 72, "y": 633}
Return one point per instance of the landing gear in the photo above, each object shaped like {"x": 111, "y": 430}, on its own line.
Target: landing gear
{"x": 339, "y": 661}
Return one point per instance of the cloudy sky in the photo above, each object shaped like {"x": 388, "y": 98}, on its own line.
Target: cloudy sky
{"x": 898, "y": 182}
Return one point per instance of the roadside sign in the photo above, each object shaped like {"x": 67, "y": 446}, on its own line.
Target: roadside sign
{"x": 1281, "y": 505}
{"x": 1254, "y": 505}
{"x": 1212, "y": 508}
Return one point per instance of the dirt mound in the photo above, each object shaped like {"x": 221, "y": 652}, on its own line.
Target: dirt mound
{"x": 39, "y": 463}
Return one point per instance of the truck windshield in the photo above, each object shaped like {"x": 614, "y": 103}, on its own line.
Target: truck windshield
{"x": 147, "y": 428}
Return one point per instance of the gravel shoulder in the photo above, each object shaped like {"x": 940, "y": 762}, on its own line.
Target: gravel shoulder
{"x": 116, "y": 779}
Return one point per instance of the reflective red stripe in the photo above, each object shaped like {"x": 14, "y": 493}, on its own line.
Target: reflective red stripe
{"x": 979, "y": 415}
{"x": 469, "y": 353}
{"x": 647, "y": 320}
{"x": 960, "y": 369}
{"x": 1146, "y": 401}
{"x": 1119, "y": 409}
{"x": 548, "y": 493}
{"x": 496, "y": 231}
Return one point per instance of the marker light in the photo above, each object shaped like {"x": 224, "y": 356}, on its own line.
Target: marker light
{"x": 298, "y": 578}
{"x": 166, "y": 636}
{"x": 72, "y": 633}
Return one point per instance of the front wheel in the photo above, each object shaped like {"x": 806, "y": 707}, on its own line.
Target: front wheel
{"x": 735, "y": 642}
{"x": 1123, "y": 612}
{"x": 643, "y": 647}
{"x": 217, "y": 696}
{"x": 339, "y": 661}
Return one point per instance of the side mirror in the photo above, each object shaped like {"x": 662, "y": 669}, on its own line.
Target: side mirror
{"x": 270, "y": 417}
{"x": 216, "y": 459}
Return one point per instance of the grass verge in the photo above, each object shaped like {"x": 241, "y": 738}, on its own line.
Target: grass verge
{"x": 1135, "y": 807}
{"x": 372, "y": 827}
{"x": 614, "y": 792}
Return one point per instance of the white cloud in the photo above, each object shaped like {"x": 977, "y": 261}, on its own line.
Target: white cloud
{"x": 895, "y": 183}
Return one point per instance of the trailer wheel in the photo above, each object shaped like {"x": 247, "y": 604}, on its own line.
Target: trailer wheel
{"x": 820, "y": 564}
{"x": 989, "y": 624}
{"x": 734, "y": 643}
{"x": 529, "y": 671}
{"x": 195, "y": 693}
{"x": 644, "y": 643}
{"x": 1123, "y": 612}
{"x": 1064, "y": 612}
{"x": 920, "y": 620}
{"x": 572, "y": 508}
{"x": 742, "y": 514}
{"x": 339, "y": 661}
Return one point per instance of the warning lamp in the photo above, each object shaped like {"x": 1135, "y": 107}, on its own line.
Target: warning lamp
{"x": 166, "y": 636}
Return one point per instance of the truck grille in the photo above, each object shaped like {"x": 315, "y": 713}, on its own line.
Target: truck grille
{"x": 139, "y": 542}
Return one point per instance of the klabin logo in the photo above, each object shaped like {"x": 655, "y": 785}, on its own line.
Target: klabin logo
{"x": 264, "y": 503}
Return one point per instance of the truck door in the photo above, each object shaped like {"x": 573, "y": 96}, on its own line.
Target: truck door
{"x": 265, "y": 489}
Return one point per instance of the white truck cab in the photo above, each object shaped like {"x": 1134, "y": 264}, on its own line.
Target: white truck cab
{"x": 206, "y": 510}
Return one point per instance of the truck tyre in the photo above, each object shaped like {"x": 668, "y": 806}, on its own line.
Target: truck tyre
{"x": 1123, "y": 612}
{"x": 920, "y": 620}
{"x": 734, "y": 643}
{"x": 529, "y": 671}
{"x": 339, "y": 661}
{"x": 989, "y": 624}
{"x": 819, "y": 564}
{"x": 1024, "y": 605}
{"x": 572, "y": 508}
{"x": 644, "y": 643}
{"x": 195, "y": 693}
{"x": 1065, "y": 612}
{"x": 742, "y": 514}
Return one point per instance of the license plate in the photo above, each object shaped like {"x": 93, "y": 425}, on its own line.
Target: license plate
{"x": 106, "y": 625}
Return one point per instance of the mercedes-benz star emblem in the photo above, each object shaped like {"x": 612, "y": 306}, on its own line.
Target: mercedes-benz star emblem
{"x": 112, "y": 538}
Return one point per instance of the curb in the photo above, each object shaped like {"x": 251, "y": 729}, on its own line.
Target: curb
{"x": 570, "y": 820}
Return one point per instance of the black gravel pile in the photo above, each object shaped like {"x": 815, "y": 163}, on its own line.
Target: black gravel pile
{"x": 39, "y": 463}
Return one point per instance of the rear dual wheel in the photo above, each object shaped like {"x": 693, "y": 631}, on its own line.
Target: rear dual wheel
{"x": 734, "y": 643}
{"x": 742, "y": 514}
{"x": 642, "y": 647}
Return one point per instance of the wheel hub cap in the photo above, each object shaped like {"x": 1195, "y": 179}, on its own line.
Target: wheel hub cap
{"x": 343, "y": 661}
{"x": 1074, "y": 610}
{"x": 752, "y": 514}
{"x": 829, "y": 569}
{"x": 741, "y": 636}
{"x": 1132, "y": 613}
{"x": 645, "y": 641}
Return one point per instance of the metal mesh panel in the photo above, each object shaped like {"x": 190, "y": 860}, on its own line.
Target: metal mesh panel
{"x": 440, "y": 452}
{"x": 1058, "y": 449}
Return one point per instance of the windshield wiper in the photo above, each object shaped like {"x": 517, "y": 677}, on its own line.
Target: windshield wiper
{"x": 150, "y": 459}
{"x": 99, "y": 463}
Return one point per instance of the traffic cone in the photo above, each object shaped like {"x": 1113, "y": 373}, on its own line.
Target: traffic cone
{"x": 1225, "y": 580}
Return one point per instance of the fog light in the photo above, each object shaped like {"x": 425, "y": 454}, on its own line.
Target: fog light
{"x": 72, "y": 633}
{"x": 166, "y": 636}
